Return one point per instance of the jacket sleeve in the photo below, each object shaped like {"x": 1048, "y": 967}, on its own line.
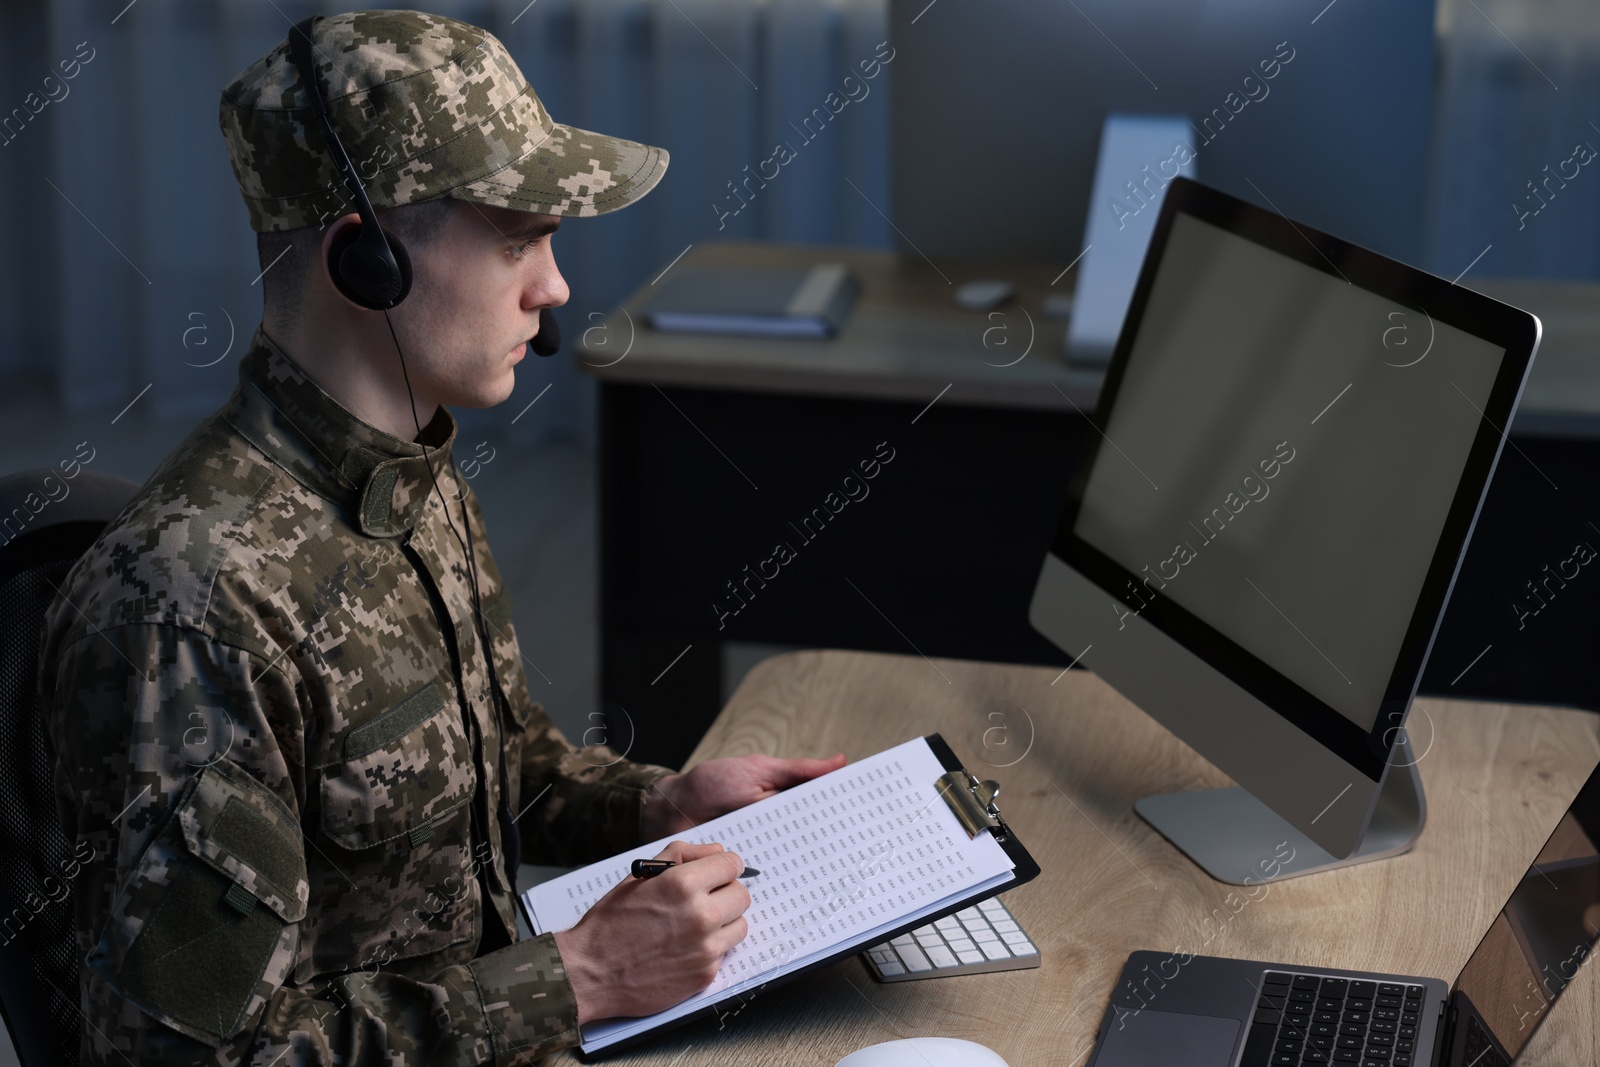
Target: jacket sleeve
{"x": 579, "y": 804}
{"x": 179, "y": 762}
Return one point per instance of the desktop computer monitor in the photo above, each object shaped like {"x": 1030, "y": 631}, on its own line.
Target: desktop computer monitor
{"x": 1289, "y": 452}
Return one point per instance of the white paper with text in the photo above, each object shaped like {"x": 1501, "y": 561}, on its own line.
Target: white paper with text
{"x": 843, "y": 858}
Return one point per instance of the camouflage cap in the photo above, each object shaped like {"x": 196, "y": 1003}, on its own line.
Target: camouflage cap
{"x": 425, "y": 106}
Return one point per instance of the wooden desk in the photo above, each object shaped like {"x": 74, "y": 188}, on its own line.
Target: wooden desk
{"x": 713, "y": 448}
{"x": 1497, "y": 780}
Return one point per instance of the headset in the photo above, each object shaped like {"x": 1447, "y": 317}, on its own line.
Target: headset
{"x": 373, "y": 269}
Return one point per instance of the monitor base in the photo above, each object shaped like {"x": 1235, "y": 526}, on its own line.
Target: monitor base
{"x": 1235, "y": 838}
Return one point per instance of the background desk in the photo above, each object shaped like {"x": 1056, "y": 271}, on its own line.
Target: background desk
{"x": 1497, "y": 779}
{"x": 712, "y": 449}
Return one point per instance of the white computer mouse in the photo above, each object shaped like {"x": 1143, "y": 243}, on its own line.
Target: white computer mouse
{"x": 924, "y": 1052}
{"x": 984, "y": 293}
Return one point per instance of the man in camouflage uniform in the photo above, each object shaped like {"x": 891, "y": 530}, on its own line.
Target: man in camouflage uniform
{"x": 268, "y": 690}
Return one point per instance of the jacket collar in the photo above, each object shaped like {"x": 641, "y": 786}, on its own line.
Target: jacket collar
{"x": 280, "y": 410}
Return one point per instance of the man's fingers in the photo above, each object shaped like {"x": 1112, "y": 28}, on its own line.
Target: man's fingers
{"x": 730, "y": 934}
{"x": 712, "y": 870}
{"x": 791, "y": 772}
{"x": 684, "y": 851}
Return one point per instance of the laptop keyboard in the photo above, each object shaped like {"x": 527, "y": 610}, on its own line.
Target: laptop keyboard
{"x": 974, "y": 940}
{"x": 1311, "y": 1018}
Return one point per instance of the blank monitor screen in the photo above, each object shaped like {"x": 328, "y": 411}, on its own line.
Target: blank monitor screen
{"x": 1284, "y": 447}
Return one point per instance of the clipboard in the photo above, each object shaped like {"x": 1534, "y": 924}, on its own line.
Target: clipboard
{"x": 974, "y": 804}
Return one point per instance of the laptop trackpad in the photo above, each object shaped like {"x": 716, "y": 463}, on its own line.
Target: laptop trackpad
{"x": 1168, "y": 1039}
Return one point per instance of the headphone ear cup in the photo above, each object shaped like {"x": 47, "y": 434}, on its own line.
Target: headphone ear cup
{"x": 402, "y": 259}
{"x": 360, "y": 271}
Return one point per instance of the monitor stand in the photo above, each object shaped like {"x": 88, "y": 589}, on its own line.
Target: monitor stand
{"x": 1235, "y": 838}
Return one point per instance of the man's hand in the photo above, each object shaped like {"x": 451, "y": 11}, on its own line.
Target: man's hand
{"x": 719, "y": 786}
{"x": 650, "y": 943}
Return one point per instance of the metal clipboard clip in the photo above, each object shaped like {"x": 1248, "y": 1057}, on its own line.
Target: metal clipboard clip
{"x": 973, "y": 802}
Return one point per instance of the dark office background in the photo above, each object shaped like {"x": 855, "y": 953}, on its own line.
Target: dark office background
{"x": 128, "y": 266}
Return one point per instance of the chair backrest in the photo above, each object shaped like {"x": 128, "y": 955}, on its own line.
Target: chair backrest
{"x": 43, "y": 531}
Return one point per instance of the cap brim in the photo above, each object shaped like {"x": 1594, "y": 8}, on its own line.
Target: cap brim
{"x": 572, "y": 172}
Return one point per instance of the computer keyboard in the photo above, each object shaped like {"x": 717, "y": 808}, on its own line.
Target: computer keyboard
{"x": 1311, "y": 1018}
{"x": 974, "y": 940}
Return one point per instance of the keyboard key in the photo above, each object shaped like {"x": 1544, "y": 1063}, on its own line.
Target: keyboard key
{"x": 1304, "y": 996}
{"x": 1004, "y": 925}
{"x": 969, "y": 913}
{"x": 1316, "y": 1055}
{"x": 1328, "y": 1004}
{"x": 903, "y": 939}
{"x": 970, "y": 955}
{"x": 995, "y": 950}
{"x": 1011, "y": 937}
{"x": 1275, "y": 978}
{"x": 1306, "y": 981}
{"x": 981, "y": 936}
{"x": 1284, "y": 1059}
{"x": 1389, "y": 989}
{"x": 941, "y": 956}
{"x": 929, "y": 940}
{"x": 1363, "y": 989}
{"x": 1355, "y": 1003}
{"x": 1346, "y": 1055}
{"x": 880, "y": 954}
{"x": 949, "y": 922}
{"x": 914, "y": 960}
{"x": 1389, "y": 1000}
{"x": 1413, "y": 992}
{"x": 962, "y": 944}
{"x": 1334, "y": 987}
{"x": 1269, "y": 1015}
{"x": 1325, "y": 1017}
{"x": 891, "y": 968}
{"x": 1023, "y": 948}
{"x": 992, "y": 906}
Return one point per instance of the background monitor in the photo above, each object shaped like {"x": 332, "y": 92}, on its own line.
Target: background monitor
{"x": 1294, "y": 438}
{"x": 1000, "y": 104}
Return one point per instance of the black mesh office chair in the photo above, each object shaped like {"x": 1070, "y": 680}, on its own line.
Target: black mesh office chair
{"x": 38, "y": 953}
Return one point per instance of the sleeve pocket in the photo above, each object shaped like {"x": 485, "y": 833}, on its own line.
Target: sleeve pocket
{"x": 204, "y": 926}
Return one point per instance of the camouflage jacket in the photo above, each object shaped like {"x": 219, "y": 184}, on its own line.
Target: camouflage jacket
{"x": 272, "y": 723}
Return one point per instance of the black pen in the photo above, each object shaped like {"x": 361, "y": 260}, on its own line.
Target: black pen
{"x": 651, "y": 868}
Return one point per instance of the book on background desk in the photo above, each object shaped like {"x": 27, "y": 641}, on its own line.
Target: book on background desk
{"x": 805, "y": 302}
{"x": 848, "y": 860}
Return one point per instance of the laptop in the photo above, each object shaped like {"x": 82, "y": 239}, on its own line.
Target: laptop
{"x": 1169, "y": 1008}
